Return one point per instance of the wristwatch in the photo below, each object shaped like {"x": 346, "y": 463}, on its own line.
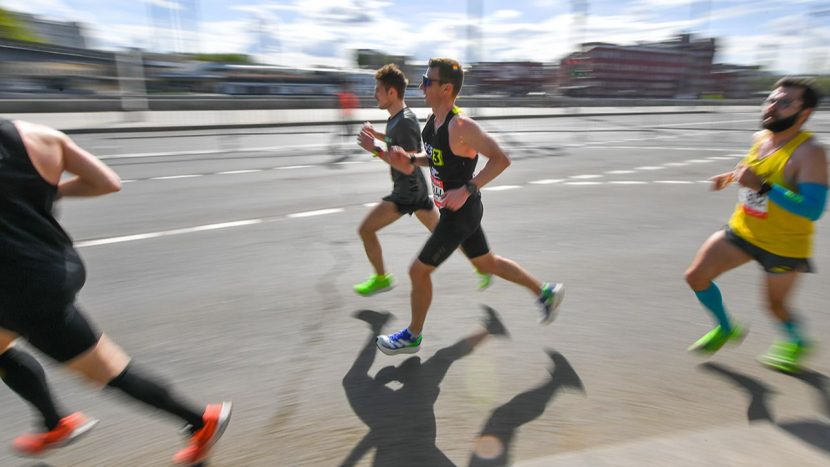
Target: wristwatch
{"x": 470, "y": 187}
{"x": 765, "y": 188}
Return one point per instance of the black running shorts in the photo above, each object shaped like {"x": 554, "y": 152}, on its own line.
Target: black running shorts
{"x": 405, "y": 207}
{"x": 454, "y": 229}
{"x": 46, "y": 316}
{"x": 771, "y": 262}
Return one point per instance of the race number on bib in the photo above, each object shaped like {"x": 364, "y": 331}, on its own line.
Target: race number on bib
{"x": 753, "y": 203}
{"x": 438, "y": 191}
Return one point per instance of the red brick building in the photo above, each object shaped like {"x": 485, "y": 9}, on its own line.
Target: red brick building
{"x": 678, "y": 68}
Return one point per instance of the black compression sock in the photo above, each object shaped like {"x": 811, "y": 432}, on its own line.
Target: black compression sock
{"x": 24, "y": 375}
{"x": 154, "y": 393}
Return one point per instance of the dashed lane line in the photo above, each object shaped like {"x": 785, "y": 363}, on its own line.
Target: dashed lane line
{"x": 322, "y": 212}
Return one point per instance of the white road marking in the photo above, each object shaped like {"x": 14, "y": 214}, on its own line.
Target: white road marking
{"x": 674, "y": 182}
{"x": 500, "y": 188}
{"x": 583, "y": 183}
{"x": 173, "y": 177}
{"x": 207, "y": 151}
{"x": 319, "y": 212}
{"x": 234, "y": 172}
{"x": 628, "y": 182}
{"x": 651, "y": 167}
{"x": 546, "y": 181}
{"x": 166, "y": 233}
{"x": 657, "y": 148}
{"x": 620, "y": 172}
{"x": 585, "y": 176}
{"x": 291, "y": 167}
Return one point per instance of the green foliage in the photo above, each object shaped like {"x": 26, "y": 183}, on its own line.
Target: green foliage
{"x": 224, "y": 58}
{"x": 12, "y": 28}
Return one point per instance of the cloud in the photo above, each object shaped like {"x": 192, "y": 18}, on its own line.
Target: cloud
{"x": 505, "y": 14}
{"x": 167, "y": 4}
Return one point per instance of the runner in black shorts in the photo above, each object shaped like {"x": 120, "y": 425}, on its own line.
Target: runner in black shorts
{"x": 40, "y": 276}
{"x": 452, "y": 142}
{"x": 770, "y": 262}
{"x": 410, "y": 194}
{"x": 782, "y": 191}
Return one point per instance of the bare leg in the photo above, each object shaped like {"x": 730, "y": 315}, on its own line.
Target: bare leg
{"x": 716, "y": 256}
{"x": 428, "y": 218}
{"x": 507, "y": 269}
{"x": 421, "y": 296}
{"x": 102, "y": 363}
{"x": 379, "y": 217}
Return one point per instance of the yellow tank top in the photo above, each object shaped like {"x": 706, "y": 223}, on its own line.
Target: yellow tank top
{"x": 763, "y": 223}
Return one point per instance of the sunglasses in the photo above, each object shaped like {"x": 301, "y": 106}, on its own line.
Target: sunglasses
{"x": 426, "y": 81}
{"x": 780, "y": 101}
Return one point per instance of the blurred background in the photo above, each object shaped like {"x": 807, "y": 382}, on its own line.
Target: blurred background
{"x": 226, "y": 263}
{"x": 278, "y": 52}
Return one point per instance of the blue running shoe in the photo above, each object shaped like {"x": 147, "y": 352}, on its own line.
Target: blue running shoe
{"x": 549, "y": 300}
{"x": 400, "y": 342}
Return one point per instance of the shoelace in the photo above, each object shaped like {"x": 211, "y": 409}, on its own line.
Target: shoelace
{"x": 396, "y": 338}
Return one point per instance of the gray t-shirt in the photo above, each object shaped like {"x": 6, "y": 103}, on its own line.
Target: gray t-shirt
{"x": 402, "y": 130}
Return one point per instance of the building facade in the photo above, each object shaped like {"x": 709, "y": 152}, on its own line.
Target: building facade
{"x": 678, "y": 68}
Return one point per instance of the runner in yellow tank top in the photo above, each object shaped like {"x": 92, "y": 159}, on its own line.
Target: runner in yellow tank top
{"x": 783, "y": 190}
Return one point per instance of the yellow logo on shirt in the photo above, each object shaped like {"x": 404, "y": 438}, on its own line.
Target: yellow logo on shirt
{"x": 437, "y": 157}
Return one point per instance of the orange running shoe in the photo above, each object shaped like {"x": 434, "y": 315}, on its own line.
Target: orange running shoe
{"x": 216, "y": 418}
{"x": 69, "y": 429}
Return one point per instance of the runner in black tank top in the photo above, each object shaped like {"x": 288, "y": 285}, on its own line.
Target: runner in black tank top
{"x": 452, "y": 143}
{"x": 409, "y": 191}
{"x": 40, "y": 275}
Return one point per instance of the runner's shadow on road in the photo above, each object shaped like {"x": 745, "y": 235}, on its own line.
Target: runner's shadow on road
{"x": 812, "y": 431}
{"x": 492, "y": 448}
{"x": 401, "y": 421}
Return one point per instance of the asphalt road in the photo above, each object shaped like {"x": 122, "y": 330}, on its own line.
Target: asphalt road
{"x": 225, "y": 266}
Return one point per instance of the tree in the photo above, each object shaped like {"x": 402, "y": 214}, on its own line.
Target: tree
{"x": 12, "y": 28}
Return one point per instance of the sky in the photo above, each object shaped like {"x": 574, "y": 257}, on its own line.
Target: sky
{"x": 783, "y": 36}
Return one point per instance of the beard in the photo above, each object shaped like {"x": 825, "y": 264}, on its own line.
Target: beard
{"x": 781, "y": 124}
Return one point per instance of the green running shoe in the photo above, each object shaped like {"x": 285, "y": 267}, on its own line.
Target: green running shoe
{"x": 716, "y": 338}
{"x": 785, "y": 356}
{"x": 375, "y": 284}
{"x": 484, "y": 280}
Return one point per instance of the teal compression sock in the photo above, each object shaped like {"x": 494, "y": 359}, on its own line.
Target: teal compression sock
{"x": 793, "y": 331}
{"x": 712, "y": 300}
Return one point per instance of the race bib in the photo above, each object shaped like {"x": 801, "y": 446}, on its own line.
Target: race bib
{"x": 437, "y": 190}
{"x": 753, "y": 203}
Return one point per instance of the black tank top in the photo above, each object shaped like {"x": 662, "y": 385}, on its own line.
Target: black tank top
{"x": 31, "y": 240}
{"x": 448, "y": 170}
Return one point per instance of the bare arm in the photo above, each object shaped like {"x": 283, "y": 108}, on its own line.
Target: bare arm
{"x": 467, "y": 136}
{"x": 53, "y": 153}
{"x": 92, "y": 177}
{"x": 467, "y": 139}
{"x": 721, "y": 181}
{"x": 813, "y": 166}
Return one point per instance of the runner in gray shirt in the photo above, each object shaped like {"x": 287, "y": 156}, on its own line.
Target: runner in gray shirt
{"x": 410, "y": 193}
